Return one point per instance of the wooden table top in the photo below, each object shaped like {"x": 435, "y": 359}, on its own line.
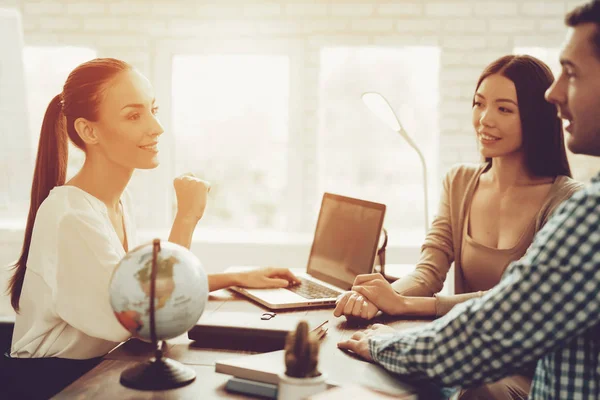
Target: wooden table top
{"x": 103, "y": 381}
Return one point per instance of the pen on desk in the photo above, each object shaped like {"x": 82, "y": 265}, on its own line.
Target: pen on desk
{"x": 321, "y": 334}
{"x": 321, "y": 326}
{"x": 320, "y": 331}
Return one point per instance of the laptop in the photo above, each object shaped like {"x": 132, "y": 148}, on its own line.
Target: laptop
{"x": 344, "y": 246}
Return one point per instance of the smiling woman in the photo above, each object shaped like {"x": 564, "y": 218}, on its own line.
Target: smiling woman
{"x": 517, "y": 113}
{"x": 489, "y": 213}
{"x": 78, "y": 230}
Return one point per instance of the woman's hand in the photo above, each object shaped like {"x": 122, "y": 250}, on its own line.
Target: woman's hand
{"x": 191, "y": 194}
{"x": 352, "y": 304}
{"x": 266, "y": 278}
{"x": 359, "y": 342}
{"x": 376, "y": 289}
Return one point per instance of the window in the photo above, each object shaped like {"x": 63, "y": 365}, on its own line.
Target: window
{"x": 359, "y": 156}
{"x": 15, "y": 150}
{"x": 45, "y": 71}
{"x": 272, "y": 134}
{"x": 583, "y": 167}
{"x": 230, "y": 125}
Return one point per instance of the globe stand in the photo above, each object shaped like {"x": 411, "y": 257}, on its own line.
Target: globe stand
{"x": 159, "y": 373}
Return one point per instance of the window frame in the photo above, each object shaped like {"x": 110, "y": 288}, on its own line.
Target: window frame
{"x": 398, "y": 237}
{"x": 295, "y": 194}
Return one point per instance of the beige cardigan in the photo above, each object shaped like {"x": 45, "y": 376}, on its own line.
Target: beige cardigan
{"x": 444, "y": 239}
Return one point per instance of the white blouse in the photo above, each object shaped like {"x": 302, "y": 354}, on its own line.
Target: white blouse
{"x": 64, "y": 308}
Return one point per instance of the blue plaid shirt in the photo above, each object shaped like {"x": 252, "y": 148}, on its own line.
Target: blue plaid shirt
{"x": 545, "y": 308}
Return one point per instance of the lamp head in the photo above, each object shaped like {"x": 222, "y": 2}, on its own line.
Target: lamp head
{"x": 382, "y": 109}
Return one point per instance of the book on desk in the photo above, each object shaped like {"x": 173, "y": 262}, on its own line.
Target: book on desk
{"x": 266, "y": 330}
{"x": 342, "y": 370}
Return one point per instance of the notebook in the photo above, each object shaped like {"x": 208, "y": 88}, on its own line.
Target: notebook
{"x": 267, "y": 327}
{"x": 251, "y": 388}
{"x": 340, "y": 369}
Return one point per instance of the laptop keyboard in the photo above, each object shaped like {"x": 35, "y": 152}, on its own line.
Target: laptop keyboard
{"x": 312, "y": 290}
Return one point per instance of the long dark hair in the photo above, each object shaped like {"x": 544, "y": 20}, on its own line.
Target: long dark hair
{"x": 543, "y": 138}
{"x": 81, "y": 97}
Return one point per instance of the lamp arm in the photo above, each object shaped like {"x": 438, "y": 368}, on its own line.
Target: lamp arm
{"x": 425, "y": 184}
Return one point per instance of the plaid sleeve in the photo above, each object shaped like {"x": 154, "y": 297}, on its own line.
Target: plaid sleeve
{"x": 544, "y": 300}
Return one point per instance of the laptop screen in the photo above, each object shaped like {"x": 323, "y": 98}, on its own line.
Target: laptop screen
{"x": 345, "y": 239}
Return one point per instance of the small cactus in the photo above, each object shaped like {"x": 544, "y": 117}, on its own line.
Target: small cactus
{"x": 301, "y": 353}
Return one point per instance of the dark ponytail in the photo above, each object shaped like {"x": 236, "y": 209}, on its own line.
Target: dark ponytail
{"x": 80, "y": 98}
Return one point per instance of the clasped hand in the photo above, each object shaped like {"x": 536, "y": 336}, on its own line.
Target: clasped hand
{"x": 370, "y": 294}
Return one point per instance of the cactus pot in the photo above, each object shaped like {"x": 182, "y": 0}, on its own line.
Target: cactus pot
{"x": 291, "y": 388}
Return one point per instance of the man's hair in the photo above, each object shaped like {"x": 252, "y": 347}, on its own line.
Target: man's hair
{"x": 586, "y": 13}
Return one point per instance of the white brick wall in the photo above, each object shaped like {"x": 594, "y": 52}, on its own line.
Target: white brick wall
{"x": 543, "y": 8}
{"x": 43, "y": 8}
{"x": 216, "y": 10}
{"x": 470, "y": 33}
{"x": 422, "y": 25}
{"x": 465, "y": 43}
{"x": 324, "y": 26}
{"x": 172, "y": 9}
{"x": 401, "y": 9}
{"x": 86, "y": 9}
{"x": 307, "y": 9}
{"x": 59, "y": 24}
{"x": 406, "y": 40}
{"x": 154, "y": 27}
{"x": 495, "y": 9}
{"x": 372, "y": 25}
{"x": 280, "y": 28}
{"x": 494, "y": 41}
{"x": 263, "y": 10}
{"x": 470, "y": 26}
{"x": 448, "y": 9}
{"x": 104, "y": 24}
{"x": 352, "y": 9}
{"x": 127, "y": 8}
{"x": 512, "y": 25}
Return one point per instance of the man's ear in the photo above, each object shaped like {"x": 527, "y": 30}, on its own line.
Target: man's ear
{"x": 86, "y": 131}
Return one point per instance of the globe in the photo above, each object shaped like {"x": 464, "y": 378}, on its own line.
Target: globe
{"x": 158, "y": 291}
{"x": 181, "y": 291}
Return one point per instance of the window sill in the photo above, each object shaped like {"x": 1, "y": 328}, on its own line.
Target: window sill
{"x": 219, "y": 250}
{"x": 10, "y": 233}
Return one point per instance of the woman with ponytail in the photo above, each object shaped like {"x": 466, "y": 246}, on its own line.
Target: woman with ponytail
{"x": 77, "y": 231}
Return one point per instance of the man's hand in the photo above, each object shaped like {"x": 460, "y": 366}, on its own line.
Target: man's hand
{"x": 359, "y": 342}
{"x": 352, "y": 304}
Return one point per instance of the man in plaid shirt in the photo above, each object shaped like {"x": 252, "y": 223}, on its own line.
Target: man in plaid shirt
{"x": 546, "y": 308}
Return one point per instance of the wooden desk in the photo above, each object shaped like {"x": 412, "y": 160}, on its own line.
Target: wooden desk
{"x": 103, "y": 381}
